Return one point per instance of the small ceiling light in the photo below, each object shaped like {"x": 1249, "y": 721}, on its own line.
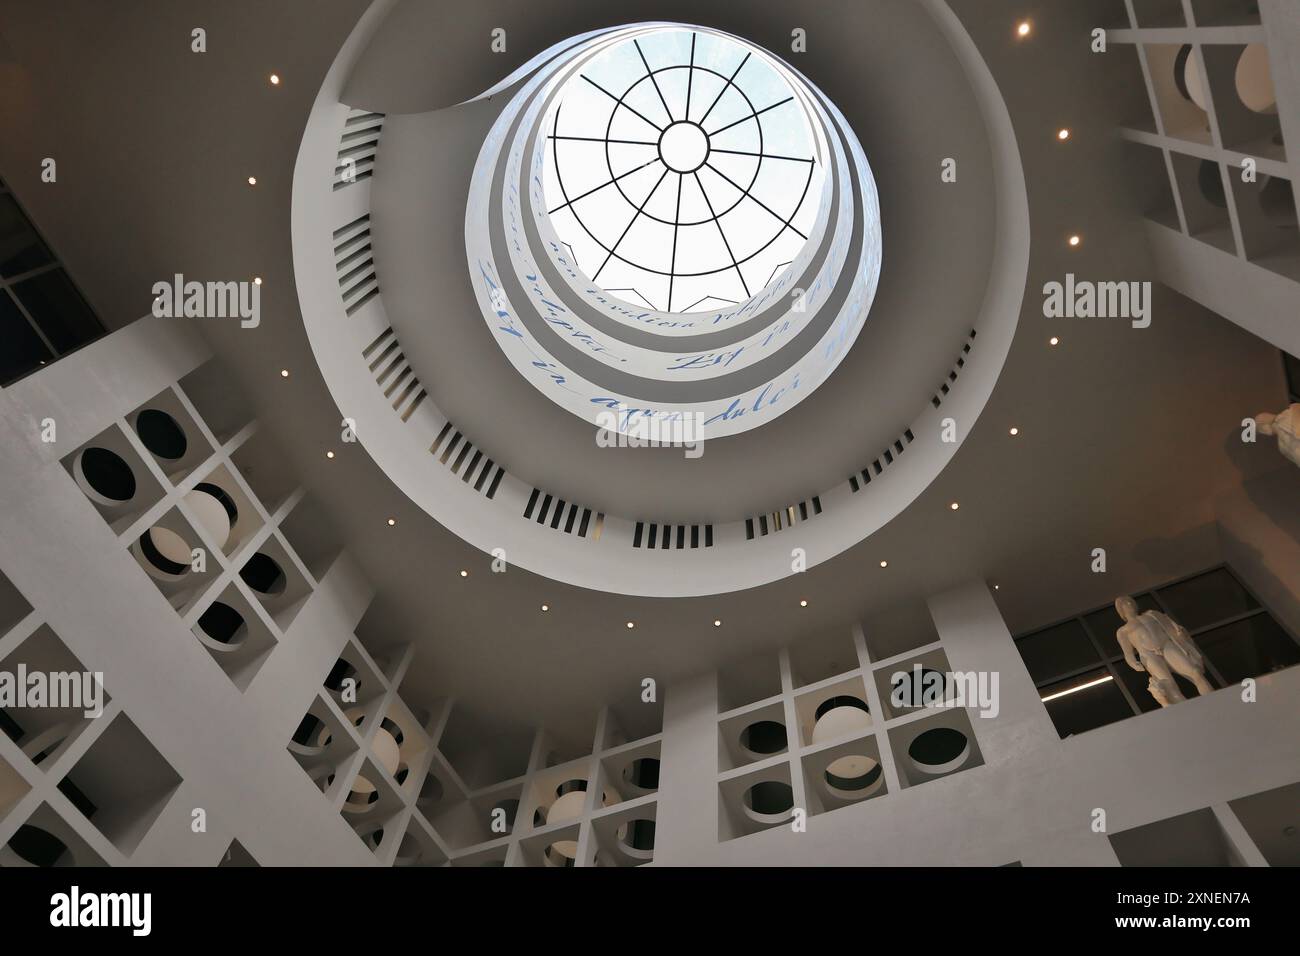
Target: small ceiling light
{"x": 630, "y": 625}
{"x": 1053, "y": 341}
{"x": 546, "y": 607}
{"x": 275, "y": 79}
{"x": 329, "y": 454}
{"x": 884, "y": 564}
{"x": 803, "y": 603}
{"x": 391, "y": 522}
{"x": 1014, "y": 431}
{"x": 1024, "y": 28}
{"x": 284, "y": 373}
{"x": 717, "y": 624}
{"x": 1063, "y": 134}
{"x": 252, "y": 180}
{"x": 464, "y": 573}
{"x": 257, "y": 280}
{"x": 997, "y": 587}
{"x": 954, "y": 506}
{"x": 1075, "y": 240}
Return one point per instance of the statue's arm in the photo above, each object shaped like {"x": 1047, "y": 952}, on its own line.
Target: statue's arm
{"x": 1126, "y": 646}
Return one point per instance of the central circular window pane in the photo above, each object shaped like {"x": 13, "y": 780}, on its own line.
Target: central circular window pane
{"x": 681, "y": 172}
{"x": 683, "y": 147}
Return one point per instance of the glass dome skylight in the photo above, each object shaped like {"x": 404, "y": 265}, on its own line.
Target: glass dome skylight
{"x": 681, "y": 172}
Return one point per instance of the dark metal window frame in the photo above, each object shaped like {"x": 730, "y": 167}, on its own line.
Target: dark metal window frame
{"x": 1112, "y": 660}
{"x": 7, "y": 284}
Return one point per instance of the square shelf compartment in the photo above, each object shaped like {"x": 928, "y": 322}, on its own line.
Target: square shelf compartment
{"x": 1205, "y": 203}
{"x": 624, "y": 836}
{"x": 481, "y": 818}
{"x": 121, "y": 784}
{"x": 752, "y": 735}
{"x": 555, "y": 846}
{"x": 355, "y": 679}
{"x": 821, "y": 656}
{"x": 905, "y": 690}
{"x": 400, "y": 743}
{"x": 170, "y": 434}
{"x": 750, "y": 679}
{"x": 116, "y": 479}
{"x": 1245, "y": 105}
{"x": 936, "y": 746}
{"x": 633, "y": 719}
{"x": 1189, "y": 839}
{"x": 419, "y": 846}
{"x": 47, "y": 840}
{"x": 833, "y": 711}
{"x": 260, "y": 461}
{"x": 323, "y": 746}
{"x": 237, "y": 634}
{"x": 373, "y": 807}
{"x": 275, "y": 579}
{"x": 44, "y": 733}
{"x": 218, "y": 399}
{"x": 310, "y": 531}
{"x": 843, "y": 774}
{"x": 754, "y": 802}
{"x": 222, "y": 506}
{"x": 632, "y": 771}
{"x": 1270, "y": 230}
{"x": 1177, "y": 82}
{"x": 173, "y": 556}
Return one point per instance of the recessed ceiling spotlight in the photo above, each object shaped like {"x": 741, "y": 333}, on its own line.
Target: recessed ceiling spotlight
{"x": 997, "y": 587}
{"x": 717, "y": 624}
{"x": 464, "y": 573}
{"x": 257, "y": 280}
{"x": 1063, "y": 134}
{"x": 546, "y": 607}
{"x": 1014, "y": 431}
{"x": 275, "y": 79}
{"x": 1074, "y": 240}
{"x": 884, "y": 564}
{"x": 954, "y": 506}
{"x": 252, "y": 180}
{"x": 391, "y": 522}
{"x": 329, "y": 454}
{"x": 284, "y": 373}
{"x": 803, "y": 603}
{"x": 1024, "y": 28}
{"x": 630, "y": 625}
{"x": 1053, "y": 341}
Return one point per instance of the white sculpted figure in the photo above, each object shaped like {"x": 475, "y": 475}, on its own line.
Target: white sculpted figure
{"x": 1163, "y": 647}
{"x": 1286, "y": 426}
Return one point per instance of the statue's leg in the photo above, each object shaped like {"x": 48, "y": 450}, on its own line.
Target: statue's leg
{"x": 1159, "y": 671}
{"x": 1184, "y": 665}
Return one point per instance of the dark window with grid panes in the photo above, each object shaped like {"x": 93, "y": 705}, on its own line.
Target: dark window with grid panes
{"x": 1079, "y": 669}
{"x": 42, "y": 315}
{"x": 1292, "y": 366}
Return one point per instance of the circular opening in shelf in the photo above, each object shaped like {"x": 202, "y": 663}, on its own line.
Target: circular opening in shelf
{"x": 764, "y": 737}
{"x": 840, "y": 716}
{"x": 374, "y": 838}
{"x": 562, "y": 852}
{"x": 340, "y": 672}
{"x": 840, "y": 700}
{"x": 854, "y": 776}
{"x": 313, "y": 735}
{"x": 223, "y": 624}
{"x": 1180, "y": 70}
{"x": 939, "y": 750}
{"x": 37, "y": 847}
{"x": 769, "y": 801}
{"x": 105, "y": 475}
{"x": 160, "y": 433}
{"x": 571, "y": 798}
{"x": 927, "y": 687}
{"x": 394, "y": 730}
{"x": 165, "y": 551}
{"x": 638, "y": 838}
{"x": 223, "y": 497}
{"x": 363, "y": 796}
{"x": 263, "y": 575}
{"x": 643, "y": 773}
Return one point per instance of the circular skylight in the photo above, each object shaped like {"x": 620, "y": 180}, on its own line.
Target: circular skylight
{"x": 681, "y": 172}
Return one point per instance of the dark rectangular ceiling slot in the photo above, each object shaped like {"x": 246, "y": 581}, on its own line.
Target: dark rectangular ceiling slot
{"x": 708, "y": 535}
{"x": 573, "y": 516}
{"x": 545, "y": 509}
{"x": 749, "y": 529}
{"x": 654, "y": 531}
{"x": 558, "y": 514}
{"x": 681, "y": 536}
{"x": 473, "y": 463}
{"x": 460, "y": 459}
{"x": 909, "y": 436}
{"x": 853, "y": 483}
{"x": 803, "y": 511}
{"x": 762, "y": 524}
{"x": 695, "y": 536}
{"x": 482, "y": 476}
{"x": 496, "y": 482}
{"x": 582, "y": 528}
{"x": 441, "y": 435}
{"x": 636, "y": 535}
{"x": 532, "y": 503}
{"x": 817, "y": 504}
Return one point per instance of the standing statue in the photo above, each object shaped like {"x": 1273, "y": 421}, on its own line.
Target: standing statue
{"x": 1162, "y": 647}
{"x": 1286, "y": 426}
